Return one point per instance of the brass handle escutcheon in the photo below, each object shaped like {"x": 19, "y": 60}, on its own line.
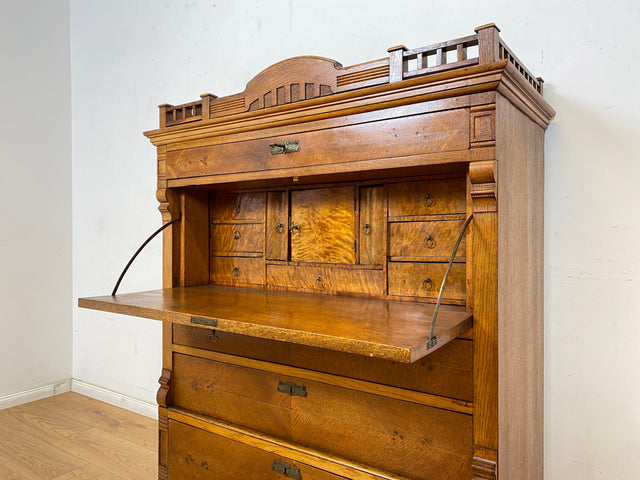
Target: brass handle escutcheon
{"x": 284, "y": 147}
{"x": 235, "y": 272}
{"x": 366, "y": 229}
{"x": 280, "y": 228}
{"x": 429, "y": 242}
{"x": 319, "y": 282}
{"x": 427, "y": 284}
{"x": 236, "y": 234}
{"x": 428, "y": 200}
{"x": 236, "y": 207}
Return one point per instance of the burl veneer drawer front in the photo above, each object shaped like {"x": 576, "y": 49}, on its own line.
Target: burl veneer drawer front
{"x": 432, "y": 240}
{"x": 198, "y": 454}
{"x": 428, "y": 197}
{"x": 237, "y": 239}
{"x": 401, "y": 437}
{"x": 447, "y": 372}
{"x": 237, "y": 270}
{"x": 238, "y": 206}
{"x": 424, "y": 280}
{"x": 327, "y": 279}
{"x": 405, "y": 136}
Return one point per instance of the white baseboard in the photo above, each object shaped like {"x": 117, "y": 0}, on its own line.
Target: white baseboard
{"x": 114, "y": 398}
{"x": 34, "y": 394}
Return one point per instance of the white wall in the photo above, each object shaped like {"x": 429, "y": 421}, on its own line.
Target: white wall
{"x": 130, "y": 55}
{"x": 35, "y": 199}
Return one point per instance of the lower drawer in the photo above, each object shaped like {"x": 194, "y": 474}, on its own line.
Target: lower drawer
{"x": 423, "y": 279}
{"x": 329, "y": 279}
{"x": 408, "y": 439}
{"x": 197, "y": 454}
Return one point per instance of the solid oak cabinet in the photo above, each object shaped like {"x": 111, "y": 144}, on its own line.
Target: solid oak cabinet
{"x": 309, "y": 332}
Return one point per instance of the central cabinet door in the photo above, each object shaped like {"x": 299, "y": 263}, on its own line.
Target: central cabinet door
{"x": 323, "y": 225}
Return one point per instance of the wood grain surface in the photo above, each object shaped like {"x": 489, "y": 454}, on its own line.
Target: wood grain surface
{"x": 375, "y": 327}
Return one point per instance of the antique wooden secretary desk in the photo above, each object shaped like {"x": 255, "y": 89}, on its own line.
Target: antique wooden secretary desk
{"x": 315, "y": 217}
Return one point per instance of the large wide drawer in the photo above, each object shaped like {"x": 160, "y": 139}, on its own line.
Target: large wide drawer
{"x": 198, "y": 454}
{"x": 447, "y": 372}
{"x": 402, "y": 437}
{"x": 406, "y": 136}
{"x": 322, "y": 278}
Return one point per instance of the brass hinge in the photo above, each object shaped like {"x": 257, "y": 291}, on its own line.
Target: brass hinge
{"x": 291, "y": 388}
{"x": 284, "y": 147}
{"x": 286, "y": 470}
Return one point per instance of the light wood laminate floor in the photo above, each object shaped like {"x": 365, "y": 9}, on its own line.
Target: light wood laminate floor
{"x": 73, "y": 437}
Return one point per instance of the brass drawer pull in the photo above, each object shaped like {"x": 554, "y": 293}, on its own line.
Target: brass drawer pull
{"x": 280, "y": 228}
{"x": 319, "y": 282}
{"x": 284, "y": 147}
{"x": 236, "y": 234}
{"x": 286, "y": 470}
{"x": 429, "y": 242}
{"x": 428, "y": 200}
{"x": 291, "y": 388}
{"x": 427, "y": 284}
{"x": 235, "y": 272}
{"x": 236, "y": 207}
{"x": 294, "y": 227}
{"x": 366, "y": 229}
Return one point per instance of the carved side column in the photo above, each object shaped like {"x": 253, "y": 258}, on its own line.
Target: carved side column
{"x": 164, "y": 400}
{"x": 482, "y": 176}
{"x": 170, "y": 209}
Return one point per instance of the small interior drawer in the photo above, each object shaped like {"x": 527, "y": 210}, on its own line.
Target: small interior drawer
{"x": 428, "y": 197}
{"x": 238, "y": 207}
{"x": 432, "y": 240}
{"x": 237, "y": 270}
{"x": 327, "y": 279}
{"x": 423, "y": 279}
{"x": 237, "y": 238}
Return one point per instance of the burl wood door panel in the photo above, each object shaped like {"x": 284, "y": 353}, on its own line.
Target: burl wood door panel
{"x": 323, "y": 225}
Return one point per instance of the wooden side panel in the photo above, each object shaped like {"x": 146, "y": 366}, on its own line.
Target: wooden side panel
{"x": 446, "y": 372}
{"x": 323, "y": 225}
{"x": 520, "y": 262}
{"x": 372, "y": 249}
{"x": 277, "y": 226}
{"x": 429, "y": 197}
{"x": 416, "y": 135}
{"x": 196, "y": 454}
